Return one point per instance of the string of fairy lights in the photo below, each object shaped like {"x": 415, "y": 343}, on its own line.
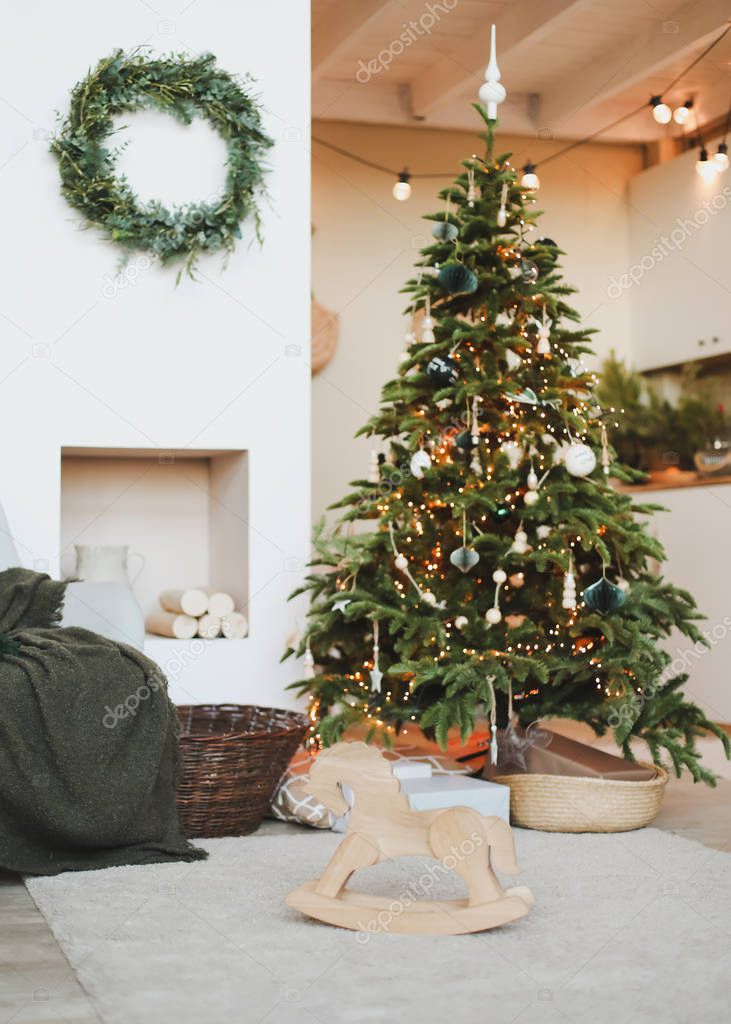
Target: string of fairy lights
{"x": 663, "y": 108}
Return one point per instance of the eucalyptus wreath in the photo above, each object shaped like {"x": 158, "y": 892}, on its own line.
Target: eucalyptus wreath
{"x": 183, "y": 87}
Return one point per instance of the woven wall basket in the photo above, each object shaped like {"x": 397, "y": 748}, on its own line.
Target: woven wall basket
{"x": 564, "y": 803}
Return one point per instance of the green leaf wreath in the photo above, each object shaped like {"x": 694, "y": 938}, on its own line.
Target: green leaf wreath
{"x": 177, "y": 85}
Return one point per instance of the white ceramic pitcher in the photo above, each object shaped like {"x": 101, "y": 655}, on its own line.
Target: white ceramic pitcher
{"x": 107, "y": 563}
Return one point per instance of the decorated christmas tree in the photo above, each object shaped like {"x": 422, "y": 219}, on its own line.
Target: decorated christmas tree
{"x": 490, "y": 564}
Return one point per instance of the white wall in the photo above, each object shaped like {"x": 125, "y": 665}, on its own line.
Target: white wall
{"x": 365, "y": 243}
{"x": 217, "y": 364}
{"x": 678, "y": 274}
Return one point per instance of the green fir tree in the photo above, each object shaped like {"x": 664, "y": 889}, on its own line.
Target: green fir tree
{"x": 474, "y": 567}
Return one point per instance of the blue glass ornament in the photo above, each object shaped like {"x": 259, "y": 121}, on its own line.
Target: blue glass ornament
{"x": 457, "y": 279}
{"x": 603, "y": 596}
{"x": 445, "y": 231}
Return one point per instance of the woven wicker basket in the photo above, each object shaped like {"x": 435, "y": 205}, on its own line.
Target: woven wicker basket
{"x": 232, "y": 757}
{"x": 564, "y": 803}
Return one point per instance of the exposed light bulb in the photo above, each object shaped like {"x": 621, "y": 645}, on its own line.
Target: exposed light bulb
{"x": 660, "y": 111}
{"x": 402, "y": 188}
{"x": 530, "y": 180}
{"x": 705, "y": 167}
{"x": 682, "y": 113}
{"x": 720, "y": 158}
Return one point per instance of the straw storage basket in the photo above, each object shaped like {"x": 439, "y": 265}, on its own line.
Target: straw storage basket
{"x": 232, "y": 757}
{"x": 566, "y": 803}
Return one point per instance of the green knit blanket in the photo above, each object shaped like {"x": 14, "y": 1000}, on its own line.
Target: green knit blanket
{"x": 88, "y": 743}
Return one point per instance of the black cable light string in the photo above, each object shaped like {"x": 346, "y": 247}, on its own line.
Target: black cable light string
{"x": 529, "y": 181}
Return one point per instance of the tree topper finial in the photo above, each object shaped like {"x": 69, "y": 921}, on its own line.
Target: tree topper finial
{"x": 492, "y": 92}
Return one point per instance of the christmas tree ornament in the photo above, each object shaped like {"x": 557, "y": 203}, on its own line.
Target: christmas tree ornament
{"x": 341, "y": 604}
{"x": 501, "y": 512}
{"x": 444, "y": 403}
{"x": 513, "y": 452}
{"x": 308, "y": 662}
{"x": 456, "y": 278}
{"x": 517, "y": 580}
{"x": 445, "y": 231}
{"x": 543, "y": 531}
{"x": 568, "y": 598}
{"x": 520, "y": 542}
{"x": 427, "y": 324}
{"x": 492, "y": 92}
{"x": 513, "y": 360}
{"x": 502, "y": 213}
{"x": 499, "y": 576}
{"x": 466, "y": 441}
{"x": 428, "y": 598}
{"x": 493, "y": 616}
{"x": 530, "y": 498}
{"x": 505, "y": 318}
{"x": 623, "y": 584}
{"x": 464, "y": 559}
{"x": 529, "y": 271}
{"x": 579, "y": 459}
{"x": 401, "y": 562}
{"x": 376, "y": 674}
{"x": 547, "y": 243}
{"x": 442, "y": 371}
{"x": 606, "y": 454}
{"x": 471, "y": 187}
{"x": 603, "y": 597}
{"x": 531, "y": 481}
{"x": 461, "y": 621}
{"x": 420, "y": 461}
{"x": 374, "y": 475}
{"x": 543, "y": 347}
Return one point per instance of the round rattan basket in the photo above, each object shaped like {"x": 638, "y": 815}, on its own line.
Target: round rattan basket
{"x": 232, "y": 757}
{"x": 564, "y": 803}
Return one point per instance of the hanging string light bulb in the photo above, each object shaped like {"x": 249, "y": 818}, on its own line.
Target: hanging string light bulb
{"x": 706, "y": 168}
{"x": 660, "y": 111}
{"x": 720, "y": 157}
{"x": 402, "y": 188}
{"x": 682, "y": 113}
{"x": 530, "y": 182}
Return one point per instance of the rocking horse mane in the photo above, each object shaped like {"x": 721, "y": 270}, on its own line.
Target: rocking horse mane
{"x": 358, "y": 754}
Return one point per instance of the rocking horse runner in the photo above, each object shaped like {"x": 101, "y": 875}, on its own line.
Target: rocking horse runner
{"x": 382, "y": 826}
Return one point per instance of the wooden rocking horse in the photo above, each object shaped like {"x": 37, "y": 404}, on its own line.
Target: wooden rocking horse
{"x": 382, "y": 826}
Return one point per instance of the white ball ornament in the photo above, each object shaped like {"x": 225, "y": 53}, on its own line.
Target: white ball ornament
{"x": 542, "y": 532}
{"x": 493, "y": 616}
{"x": 580, "y": 460}
{"x": 499, "y": 576}
{"x": 461, "y": 621}
{"x": 401, "y": 562}
{"x": 419, "y": 462}
{"x": 532, "y": 480}
{"x": 531, "y": 497}
{"x": 428, "y": 598}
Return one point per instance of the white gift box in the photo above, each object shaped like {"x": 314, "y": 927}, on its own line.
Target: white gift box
{"x": 428, "y": 792}
{"x": 487, "y": 798}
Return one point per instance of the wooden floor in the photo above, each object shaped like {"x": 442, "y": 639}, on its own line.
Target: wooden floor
{"x": 37, "y": 985}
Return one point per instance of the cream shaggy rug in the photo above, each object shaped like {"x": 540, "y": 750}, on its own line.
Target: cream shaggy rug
{"x": 633, "y": 927}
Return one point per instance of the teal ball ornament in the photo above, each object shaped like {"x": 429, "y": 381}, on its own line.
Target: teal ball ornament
{"x": 457, "y": 279}
{"x": 501, "y": 512}
{"x": 445, "y": 231}
{"x": 603, "y": 597}
{"x": 465, "y": 441}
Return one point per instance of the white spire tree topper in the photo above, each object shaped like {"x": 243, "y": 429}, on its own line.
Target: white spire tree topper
{"x": 492, "y": 92}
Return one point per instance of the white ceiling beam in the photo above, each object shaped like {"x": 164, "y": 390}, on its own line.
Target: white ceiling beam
{"x": 335, "y": 31}
{"x": 522, "y": 25}
{"x": 634, "y": 60}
